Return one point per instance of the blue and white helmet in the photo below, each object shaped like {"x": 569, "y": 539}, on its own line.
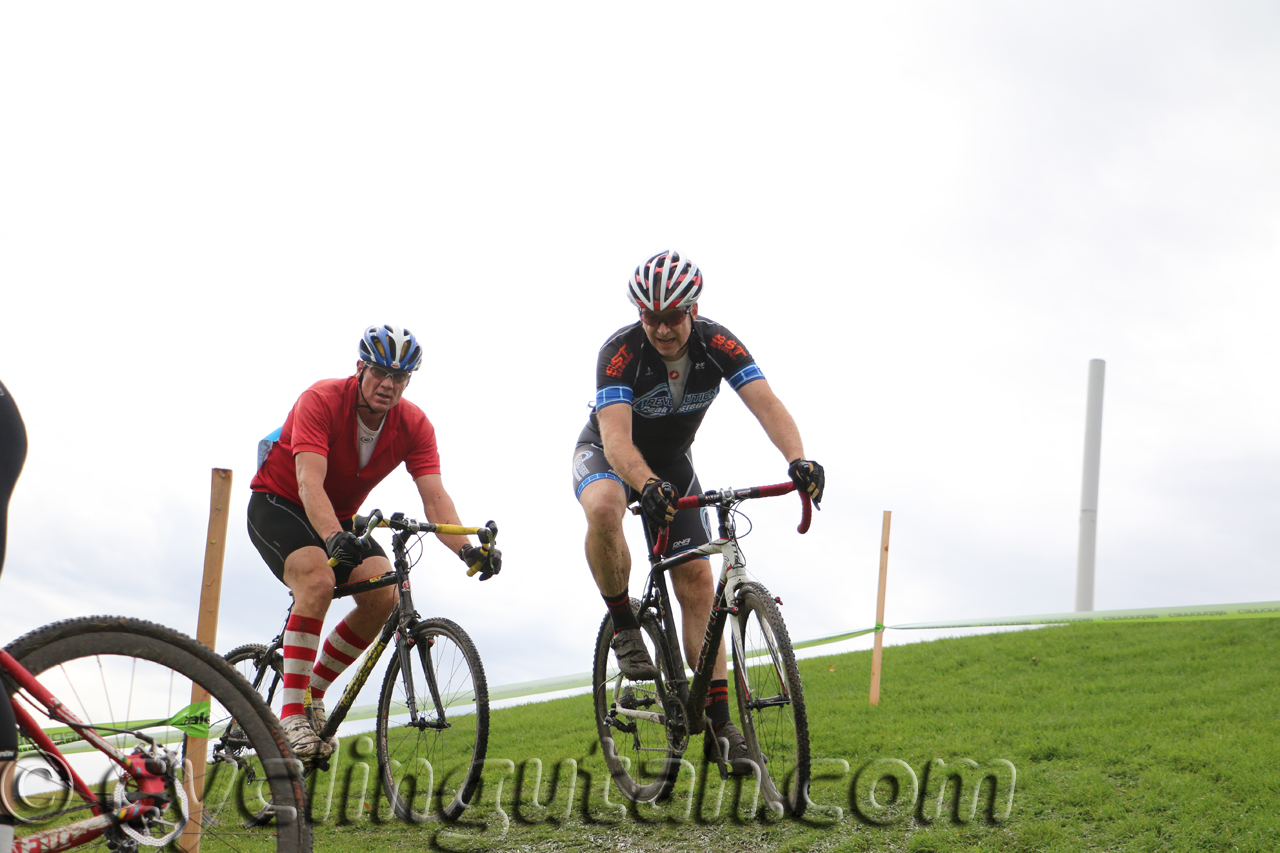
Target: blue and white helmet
{"x": 391, "y": 347}
{"x": 666, "y": 280}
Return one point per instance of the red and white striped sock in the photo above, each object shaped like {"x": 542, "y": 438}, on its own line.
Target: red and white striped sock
{"x": 301, "y": 639}
{"x": 341, "y": 648}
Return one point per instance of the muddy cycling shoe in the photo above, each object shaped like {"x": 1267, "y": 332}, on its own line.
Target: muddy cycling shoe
{"x": 318, "y": 721}
{"x": 731, "y": 738}
{"x": 307, "y": 748}
{"x": 633, "y": 657}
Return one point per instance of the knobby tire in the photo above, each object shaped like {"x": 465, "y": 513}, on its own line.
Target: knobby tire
{"x": 770, "y": 700}
{"x": 109, "y": 670}
{"x": 248, "y": 660}
{"x": 642, "y": 759}
{"x": 437, "y": 768}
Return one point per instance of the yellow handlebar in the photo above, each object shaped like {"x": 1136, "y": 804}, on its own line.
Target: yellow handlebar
{"x": 456, "y": 530}
{"x": 445, "y": 529}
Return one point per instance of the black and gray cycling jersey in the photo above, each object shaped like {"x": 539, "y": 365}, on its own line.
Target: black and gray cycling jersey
{"x": 629, "y": 370}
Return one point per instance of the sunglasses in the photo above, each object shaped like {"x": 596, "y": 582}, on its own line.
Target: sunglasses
{"x": 670, "y": 319}
{"x": 399, "y": 377}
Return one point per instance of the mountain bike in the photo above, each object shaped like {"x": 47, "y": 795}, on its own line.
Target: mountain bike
{"x": 121, "y": 754}
{"x": 646, "y": 723}
{"x": 141, "y": 709}
{"x": 433, "y": 708}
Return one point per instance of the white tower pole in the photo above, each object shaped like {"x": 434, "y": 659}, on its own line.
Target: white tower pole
{"x": 1089, "y": 491}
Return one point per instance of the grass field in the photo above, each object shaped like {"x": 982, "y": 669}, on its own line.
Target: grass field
{"x": 1124, "y": 738}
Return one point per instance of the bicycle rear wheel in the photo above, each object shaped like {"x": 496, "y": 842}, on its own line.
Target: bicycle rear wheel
{"x": 633, "y": 717}
{"x": 132, "y": 680}
{"x": 425, "y": 757}
{"x": 266, "y": 675}
{"x": 770, "y": 700}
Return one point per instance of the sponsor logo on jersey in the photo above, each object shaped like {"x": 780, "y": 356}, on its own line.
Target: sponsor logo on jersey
{"x": 695, "y": 402}
{"x": 578, "y": 467}
{"x": 728, "y": 345}
{"x": 674, "y": 374}
{"x": 619, "y": 362}
{"x": 681, "y": 543}
{"x": 657, "y": 403}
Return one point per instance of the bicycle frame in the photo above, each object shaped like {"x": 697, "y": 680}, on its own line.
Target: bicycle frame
{"x": 399, "y": 625}
{"x": 732, "y": 575}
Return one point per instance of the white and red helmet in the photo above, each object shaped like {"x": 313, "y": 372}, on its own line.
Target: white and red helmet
{"x": 665, "y": 281}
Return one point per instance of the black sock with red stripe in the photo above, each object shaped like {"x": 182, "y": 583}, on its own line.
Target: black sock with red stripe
{"x": 718, "y": 703}
{"x": 620, "y": 609}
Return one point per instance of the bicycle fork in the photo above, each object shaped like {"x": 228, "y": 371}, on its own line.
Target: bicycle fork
{"x": 405, "y": 645}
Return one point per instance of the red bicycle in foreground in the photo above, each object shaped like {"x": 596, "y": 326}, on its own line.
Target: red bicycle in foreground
{"x": 645, "y": 726}
{"x": 123, "y": 756}
{"x": 138, "y": 734}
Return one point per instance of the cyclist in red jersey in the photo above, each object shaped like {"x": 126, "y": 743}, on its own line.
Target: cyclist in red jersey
{"x": 343, "y": 437}
{"x": 667, "y": 368}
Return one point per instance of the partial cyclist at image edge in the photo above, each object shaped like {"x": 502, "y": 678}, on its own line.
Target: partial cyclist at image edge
{"x": 341, "y": 438}
{"x": 667, "y": 368}
{"x": 116, "y": 664}
{"x": 13, "y": 453}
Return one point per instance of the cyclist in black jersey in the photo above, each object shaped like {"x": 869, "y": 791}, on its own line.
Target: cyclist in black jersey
{"x": 13, "y": 452}
{"x": 667, "y": 369}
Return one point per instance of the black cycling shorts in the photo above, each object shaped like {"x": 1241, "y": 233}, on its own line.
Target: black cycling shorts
{"x": 278, "y": 527}
{"x": 689, "y": 528}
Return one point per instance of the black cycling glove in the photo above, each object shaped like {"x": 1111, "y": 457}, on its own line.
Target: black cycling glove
{"x": 489, "y": 562}
{"x": 344, "y": 547}
{"x": 809, "y": 476}
{"x": 657, "y": 501}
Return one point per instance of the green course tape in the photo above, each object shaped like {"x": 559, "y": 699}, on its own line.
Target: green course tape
{"x": 1257, "y": 610}
{"x": 540, "y": 686}
{"x": 192, "y": 720}
{"x": 822, "y": 641}
{"x": 1194, "y": 613}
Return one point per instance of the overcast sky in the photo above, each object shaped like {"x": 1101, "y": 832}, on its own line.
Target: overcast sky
{"x": 923, "y": 219}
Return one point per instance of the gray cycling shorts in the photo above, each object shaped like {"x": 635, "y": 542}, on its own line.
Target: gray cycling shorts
{"x": 688, "y": 530}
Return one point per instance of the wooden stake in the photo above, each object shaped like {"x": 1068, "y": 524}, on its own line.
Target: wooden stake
{"x": 884, "y": 573}
{"x": 215, "y": 549}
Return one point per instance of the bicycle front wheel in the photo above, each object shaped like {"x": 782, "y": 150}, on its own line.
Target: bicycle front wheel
{"x": 643, "y": 727}
{"x": 770, "y": 700}
{"x": 433, "y": 724}
{"x": 132, "y": 681}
